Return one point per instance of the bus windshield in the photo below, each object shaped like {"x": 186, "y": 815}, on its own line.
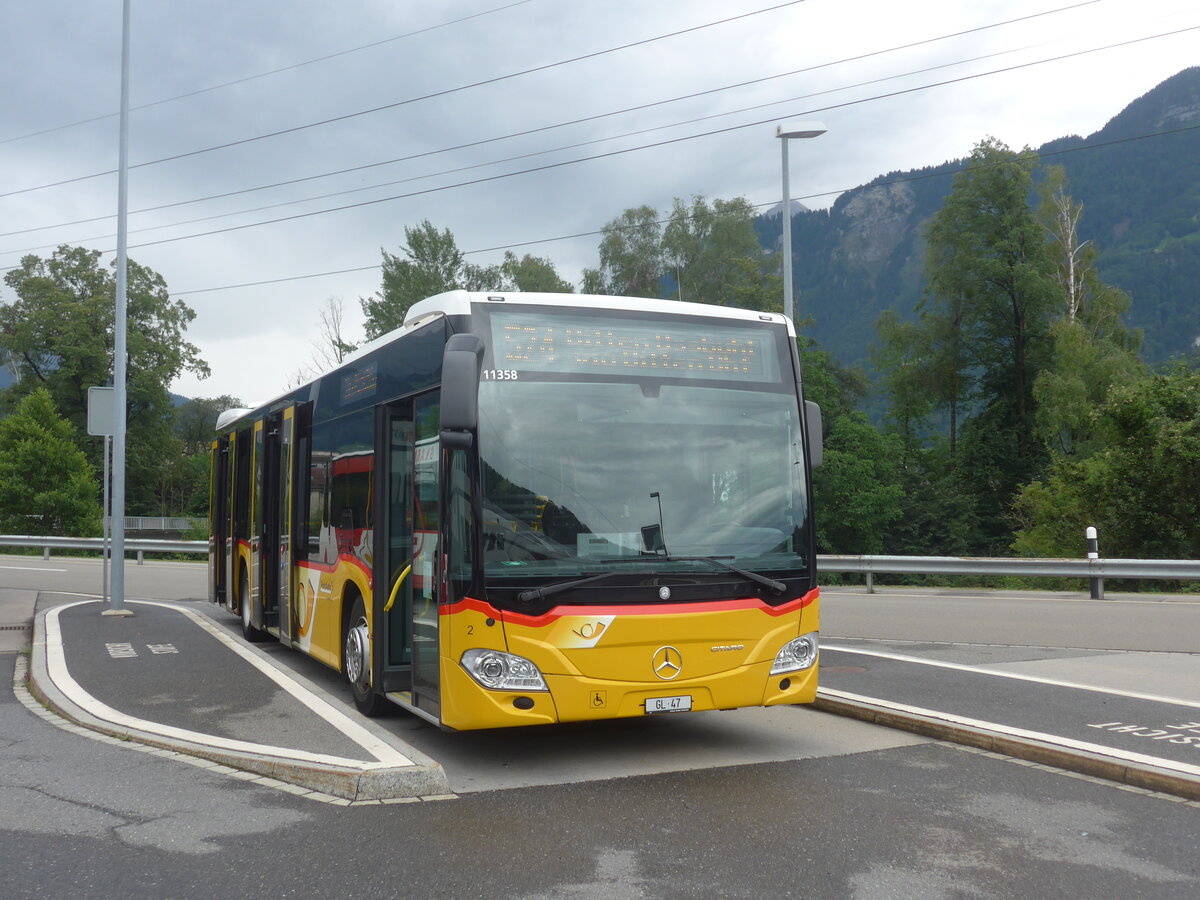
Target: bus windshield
{"x": 592, "y": 470}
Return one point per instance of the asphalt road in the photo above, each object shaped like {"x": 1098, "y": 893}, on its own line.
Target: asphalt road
{"x": 1147, "y": 622}
{"x": 84, "y": 577}
{"x": 816, "y": 806}
{"x": 86, "y": 819}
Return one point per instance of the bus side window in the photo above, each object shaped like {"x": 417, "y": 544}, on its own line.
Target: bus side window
{"x": 318, "y": 495}
{"x": 345, "y": 530}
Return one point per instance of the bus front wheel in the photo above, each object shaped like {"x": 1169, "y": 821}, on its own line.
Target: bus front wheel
{"x": 356, "y": 661}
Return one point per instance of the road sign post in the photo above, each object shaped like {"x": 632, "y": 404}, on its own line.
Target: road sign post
{"x": 100, "y": 417}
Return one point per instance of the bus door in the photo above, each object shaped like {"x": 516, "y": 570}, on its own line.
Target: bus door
{"x": 239, "y": 515}
{"x": 256, "y": 516}
{"x": 286, "y": 527}
{"x": 407, "y": 528}
{"x": 275, "y": 549}
{"x": 218, "y": 521}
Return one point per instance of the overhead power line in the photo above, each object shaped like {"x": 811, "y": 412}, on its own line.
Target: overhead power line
{"x": 258, "y": 75}
{"x": 496, "y": 162}
{"x": 581, "y": 234}
{"x": 570, "y": 122}
{"x": 655, "y": 144}
{"x": 442, "y": 93}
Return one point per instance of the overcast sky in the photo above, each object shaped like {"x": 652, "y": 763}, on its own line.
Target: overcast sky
{"x": 443, "y": 75}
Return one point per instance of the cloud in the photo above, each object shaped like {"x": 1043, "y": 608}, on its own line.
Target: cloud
{"x": 65, "y": 68}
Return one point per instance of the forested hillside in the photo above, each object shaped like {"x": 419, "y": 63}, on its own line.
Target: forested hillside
{"x": 1138, "y": 179}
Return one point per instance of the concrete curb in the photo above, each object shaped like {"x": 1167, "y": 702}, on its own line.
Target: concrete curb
{"x": 424, "y": 779}
{"x": 1044, "y": 752}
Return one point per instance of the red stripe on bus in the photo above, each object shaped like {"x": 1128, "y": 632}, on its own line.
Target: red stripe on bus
{"x": 651, "y": 609}
{"x": 331, "y": 568}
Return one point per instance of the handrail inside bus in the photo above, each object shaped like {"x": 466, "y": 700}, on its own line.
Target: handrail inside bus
{"x": 396, "y": 588}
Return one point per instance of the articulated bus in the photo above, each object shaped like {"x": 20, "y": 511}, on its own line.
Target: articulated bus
{"x": 527, "y": 508}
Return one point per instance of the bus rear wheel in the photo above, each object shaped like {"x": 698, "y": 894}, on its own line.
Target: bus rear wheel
{"x": 249, "y": 632}
{"x": 356, "y": 661}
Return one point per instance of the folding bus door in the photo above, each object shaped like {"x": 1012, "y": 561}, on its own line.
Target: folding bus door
{"x": 218, "y": 521}
{"x": 285, "y": 481}
{"x": 406, "y": 552}
{"x": 276, "y": 547}
{"x": 256, "y": 483}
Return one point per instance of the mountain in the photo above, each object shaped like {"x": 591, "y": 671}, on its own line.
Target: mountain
{"x": 1138, "y": 179}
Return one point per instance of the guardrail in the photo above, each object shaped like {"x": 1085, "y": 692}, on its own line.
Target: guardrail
{"x": 1096, "y": 569}
{"x": 161, "y": 523}
{"x": 1161, "y": 569}
{"x": 140, "y": 546}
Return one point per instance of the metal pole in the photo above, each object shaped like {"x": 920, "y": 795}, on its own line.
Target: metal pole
{"x": 107, "y": 512}
{"x": 1093, "y": 552}
{"x": 119, "y": 351}
{"x": 787, "y": 234}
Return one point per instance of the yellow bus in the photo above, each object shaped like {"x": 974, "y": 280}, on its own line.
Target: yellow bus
{"x": 522, "y": 509}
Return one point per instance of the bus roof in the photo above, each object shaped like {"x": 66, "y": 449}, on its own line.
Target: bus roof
{"x": 458, "y": 303}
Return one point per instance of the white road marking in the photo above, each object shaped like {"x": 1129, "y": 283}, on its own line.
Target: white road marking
{"x": 983, "y": 670}
{"x": 1058, "y": 740}
{"x": 31, "y": 569}
{"x": 56, "y": 664}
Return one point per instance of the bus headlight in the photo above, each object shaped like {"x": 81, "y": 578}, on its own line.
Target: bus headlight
{"x": 503, "y": 671}
{"x": 796, "y": 655}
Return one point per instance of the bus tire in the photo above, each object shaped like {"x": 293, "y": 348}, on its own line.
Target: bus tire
{"x": 249, "y": 632}
{"x": 356, "y": 661}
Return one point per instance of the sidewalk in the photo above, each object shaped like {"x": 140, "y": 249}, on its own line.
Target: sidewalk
{"x": 169, "y": 677}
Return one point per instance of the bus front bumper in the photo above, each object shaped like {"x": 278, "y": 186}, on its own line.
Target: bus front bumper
{"x": 573, "y": 698}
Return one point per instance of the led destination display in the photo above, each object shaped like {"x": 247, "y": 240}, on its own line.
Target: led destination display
{"x": 534, "y": 341}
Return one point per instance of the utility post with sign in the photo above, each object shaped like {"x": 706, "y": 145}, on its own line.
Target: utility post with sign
{"x": 100, "y": 424}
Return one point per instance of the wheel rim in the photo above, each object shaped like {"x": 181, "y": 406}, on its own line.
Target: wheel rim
{"x": 358, "y": 654}
{"x": 244, "y": 603}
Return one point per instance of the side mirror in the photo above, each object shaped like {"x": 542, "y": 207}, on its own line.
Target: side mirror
{"x": 461, "y": 362}
{"x": 816, "y": 440}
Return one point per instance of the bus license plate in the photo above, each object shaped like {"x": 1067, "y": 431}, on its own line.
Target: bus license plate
{"x": 668, "y": 704}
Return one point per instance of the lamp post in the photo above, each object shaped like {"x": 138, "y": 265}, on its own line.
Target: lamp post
{"x": 120, "y": 315}
{"x": 784, "y": 133}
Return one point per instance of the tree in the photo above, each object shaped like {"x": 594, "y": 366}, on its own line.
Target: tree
{"x": 593, "y": 282}
{"x": 195, "y": 421}
{"x": 988, "y": 251}
{"x": 859, "y": 479}
{"x": 59, "y": 335}
{"x": 991, "y": 283}
{"x": 430, "y": 263}
{"x": 1092, "y": 348}
{"x": 859, "y": 476}
{"x": 47, "y": 486}
{"x": 902, "y": 358}
{"x": 630, "y": 256}
{"x": 1141, "y": 491}
{"x": 532, "y": 273}
{"x": 713, "y": 255}
{"x": 332, "y": 345}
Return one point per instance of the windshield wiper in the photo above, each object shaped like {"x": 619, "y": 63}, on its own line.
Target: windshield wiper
{"x": 777, "y": 586}
{"x": 549, "y": 590}
{"x": 558, "y": 587}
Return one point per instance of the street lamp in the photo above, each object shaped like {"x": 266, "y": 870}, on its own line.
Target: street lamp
{"x": 784, "y": 132}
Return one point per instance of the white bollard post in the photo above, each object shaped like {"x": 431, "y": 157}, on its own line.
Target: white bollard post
{"x": 1093, "y": 552}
